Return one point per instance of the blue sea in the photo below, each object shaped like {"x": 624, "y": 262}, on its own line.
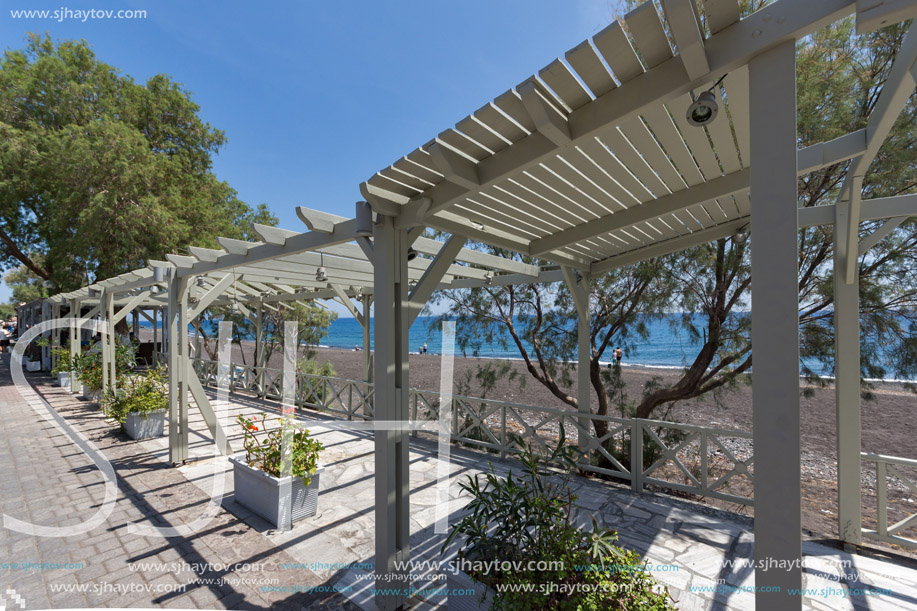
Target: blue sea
{"x": 667, "y": 347}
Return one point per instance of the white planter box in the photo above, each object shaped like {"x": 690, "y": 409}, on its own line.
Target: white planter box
{"x": 32, "y": 365}
{"x": 85, "y": 391}
{"x": 482, "y": 598}
{"x": 63, "y": 378}
{"x": 138, "y": 426}
{"x": 280, "y": 501}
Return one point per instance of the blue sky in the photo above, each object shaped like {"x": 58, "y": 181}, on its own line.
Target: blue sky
{"x": 315, "y": 97}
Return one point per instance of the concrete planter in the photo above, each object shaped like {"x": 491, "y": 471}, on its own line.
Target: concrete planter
{"x": 32, "y": 365}
{"x": 85, "y": 391}
{"x": 145, "y": 426}
{"x": 476, "y": 596}
{"x": 92, "y": 395}
{"x": 280, "y": 501}
{"x": 63, "y": 379}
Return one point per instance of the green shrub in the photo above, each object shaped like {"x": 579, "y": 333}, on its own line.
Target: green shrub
{"x": 88, "y": 365}
{"x": 314, "y": 391}
{"x": 527, "y": 520}
{"x": 142, "y": 394}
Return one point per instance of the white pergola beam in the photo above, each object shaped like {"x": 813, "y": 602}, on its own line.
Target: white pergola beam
{"x": 705, "y": 191}
{"x": 547, "y": 119}
{"x": 127, "y": 308}
{"x": 781, "y": 21}
{"x": 875, "y": 14}
{"x": 824, "y": 154}
{"x": 898, "y": 88}
{"x": 681, "y": 16}
{"x": 344, "y": 300}
{"x": 432, "y": 276}
{"x": 658, "y": 249}
{"x": 879, "y": 234}
{"x": 210, "y": 296}
{"x": 343, "y": 232}
{"x": 315, "y": 220}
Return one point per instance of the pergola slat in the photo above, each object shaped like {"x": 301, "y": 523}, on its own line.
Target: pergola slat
{"x": 583, "y": 59}
{"x": 646, "y": 28}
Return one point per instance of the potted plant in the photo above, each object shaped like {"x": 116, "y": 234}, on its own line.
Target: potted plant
{"x": 31, "y": 360}
{"x": 91, "y": 375}
{"x": 139, "y": 404}
{"x": 66, "y": 365}
{"x": 526, "y": 523}
{"x": 257, "y": 478}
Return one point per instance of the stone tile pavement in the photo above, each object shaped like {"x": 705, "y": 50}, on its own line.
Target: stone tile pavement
{"x": 701, "y": 554}
{"x": 45, "y": 479}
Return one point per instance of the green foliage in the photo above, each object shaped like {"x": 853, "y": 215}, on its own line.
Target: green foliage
{"x": 263, "y": 448}
{"x": 66, "y": 362}
{"x": 88, "y": 365}
{"x": 25, "y": 285}
{"x": 314, "y": 391}
{"x": 99, "y": 174}
{"x": 527, "y": 519}
{"x": 143, "y": 394}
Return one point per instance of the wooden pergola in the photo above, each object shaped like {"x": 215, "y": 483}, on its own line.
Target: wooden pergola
{"x": 590, "y": 165}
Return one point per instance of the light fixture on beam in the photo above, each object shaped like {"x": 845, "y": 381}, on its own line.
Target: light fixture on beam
{"x": 321, "y": 274}
{"x": 704, "y": 109}
{"x": 488, "y": 278}
{"x": 741, "y": 236}
{"x": 201, "y": 282}
{"x": 412, "y": 254}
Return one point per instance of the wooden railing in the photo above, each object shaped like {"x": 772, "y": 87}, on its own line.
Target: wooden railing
{"x": 689, "y": 459}
{"x": 888, "y": 467}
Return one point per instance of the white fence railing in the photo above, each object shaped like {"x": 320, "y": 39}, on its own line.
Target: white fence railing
{"x": 694, "y": 460}
{"x": 888, "y": 467}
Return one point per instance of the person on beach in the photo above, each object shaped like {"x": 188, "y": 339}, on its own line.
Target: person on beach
{"x": 425, "y": 347}
{"x": 4, "y": 338}
{"x": 619, "y": 354}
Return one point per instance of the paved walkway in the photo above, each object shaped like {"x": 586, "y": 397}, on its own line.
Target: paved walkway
{"x": 700, "y": 553}
{"x": 45, "y": 479}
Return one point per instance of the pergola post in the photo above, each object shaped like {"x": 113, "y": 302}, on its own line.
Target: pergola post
{"x": 367, "y": 302}
{"x": 391, "y": 405}
{"x": 156, "y": 347}
{"x": 178, "y": 389}
{"x": 259, "y": 347}
{"x": 847, "y": 392}
{"x": 75, "y": 347}
{"x": 46, "y": 350}
{"x": 775, "y": 328}
{"x": 104, "y": 319}
{"x": 55, "y": 334}
{"x": 579, "y": 289}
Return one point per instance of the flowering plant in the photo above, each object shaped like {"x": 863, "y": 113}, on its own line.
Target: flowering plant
{"x": 263, "y": 448}
{"x": 142, "y": 394}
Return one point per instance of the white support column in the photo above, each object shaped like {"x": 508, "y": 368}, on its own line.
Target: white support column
{"x": 156, "y": 347}
{"x": 847, "y": 392}
{"x": 75, "y": 348}
{"x": 579, "y": 289}
{"x": 391, "y": 405}
{"x": 178, "y": 421}
{"x": 367, "y": 301}
{"x": 775, "y": 327}
{"x": 259, "y": 347}
{"x": 55, "y": 335}
{"x": 104, "y": 318}
{"x": 367, "y": 344}
{"x": 112, "y": 341}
